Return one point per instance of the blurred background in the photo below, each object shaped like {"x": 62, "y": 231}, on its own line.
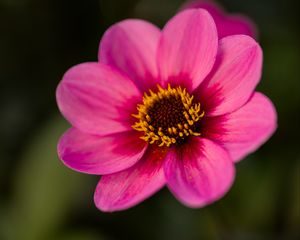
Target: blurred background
{"x": 41, "y": 199}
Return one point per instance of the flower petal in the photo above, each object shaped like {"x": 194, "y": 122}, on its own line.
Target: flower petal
{"x": 125, "y": 189}
{"x": 236, "y": 24}
{"x": 187, "y": 48}
{"x": 93, "y": 154}
{"x": 130, "y": 46}
{"x": 97, "y": 99}
{"x": 244, "y": 130}
{"x": 235, "y": 75}
{"x": 227, "y": 24}
{"x": 199, "y": 173}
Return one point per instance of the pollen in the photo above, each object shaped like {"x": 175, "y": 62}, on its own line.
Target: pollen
{"x": 168, "y": 116}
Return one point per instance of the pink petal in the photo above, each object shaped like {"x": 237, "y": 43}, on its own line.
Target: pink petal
{"x": 235, "y": 75}
{"x": 125, "y": 189}
{"x": 199, "y": 173}
{"x": 97, "y": 99}
{"x": 187, "y": 48}
{"x": 244, "y": 130}
{"x": 227, "y": 24}
{"x": 236, "y": 24}
{"x": 130, "y": 46}
{"x": 93, "y": 154}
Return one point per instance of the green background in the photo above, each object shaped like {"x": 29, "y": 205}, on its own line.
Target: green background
{"x": 41, "y": 199}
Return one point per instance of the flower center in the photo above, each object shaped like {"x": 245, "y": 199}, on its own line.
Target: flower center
{"x": 168, "y": 116}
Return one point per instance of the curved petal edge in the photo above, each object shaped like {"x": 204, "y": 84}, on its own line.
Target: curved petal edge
{"x": 199, "y": 173}
{"x": 100, "y": 155}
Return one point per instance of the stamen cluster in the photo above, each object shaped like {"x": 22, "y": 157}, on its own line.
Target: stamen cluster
{"x": 168, "y": 116}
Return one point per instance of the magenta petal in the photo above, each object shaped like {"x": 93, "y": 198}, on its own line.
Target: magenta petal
{"x": 97, "y": 99}
{"x": 93, "y": 154}
{"x": 125, "y": 189}
{"x": 234, "y": 77}
{"x": 187, "y": 48}
{"x": 130, "y": 46}
{"x": 246, "y": 129}
{"x": 236, "y": 24}
{"x": 199, "y": 173}
{"x": 227, "y": 24}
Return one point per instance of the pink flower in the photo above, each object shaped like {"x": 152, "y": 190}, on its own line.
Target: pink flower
{"x": 175, "y": 107}
{"x": 227, "y": 24}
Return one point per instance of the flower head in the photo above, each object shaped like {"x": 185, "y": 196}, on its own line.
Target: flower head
{"x": 171, "y": 107}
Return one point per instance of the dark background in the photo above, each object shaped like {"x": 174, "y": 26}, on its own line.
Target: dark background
{"x": 41, "y": 199}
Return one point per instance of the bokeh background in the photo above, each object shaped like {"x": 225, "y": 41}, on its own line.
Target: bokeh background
{"x": 41, "y": 199}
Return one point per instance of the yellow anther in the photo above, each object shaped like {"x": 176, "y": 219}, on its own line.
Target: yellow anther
{"x": 186, "y": 115}
{"x": 136, "y": 116}
{"x": 148, "y": 118}
{"x": 152, "y": 134}
{"x": 186, "y": 106}
{"x": 174, "y": 130}
{"x": 185, "y": 132}
{"x": 160, "y": 88}
{"x": 191, "y": 122}
{"x": 152, "y": 93}
{"x": 145, "y": 138}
